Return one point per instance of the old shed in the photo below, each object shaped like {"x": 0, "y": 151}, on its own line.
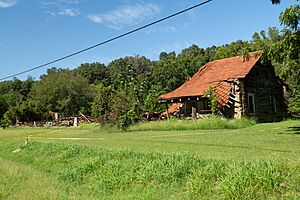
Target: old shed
{"x": 243, "y": 86}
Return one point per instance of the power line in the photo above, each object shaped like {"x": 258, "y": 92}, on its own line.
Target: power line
{"x": 109, "y": 40}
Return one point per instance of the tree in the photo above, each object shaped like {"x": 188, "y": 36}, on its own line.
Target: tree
{"x": 285, "y": 54}
{"x": 95, "y": 73}
{"x": 121, "y": 72}
{"x": 163, "y": 56}
{"x": 168, "y": 74}
{"x": 113, "y": 106}
{"x": 3, "y": 106}
{"x": 61, "y": 91}
{"x": 237, "y": 48}
{"x": 13, "y": 94}
{"x": 213, "y": 99}
{"x": 192, "y": 58}
{"x": 290, "y": 17}
{"x": 100, "y": 105}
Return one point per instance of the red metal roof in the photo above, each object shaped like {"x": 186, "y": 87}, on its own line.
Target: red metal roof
{"x": 217, "y": 74}
{"x": 223, "y": 90}
{"x": 173, "y": 109}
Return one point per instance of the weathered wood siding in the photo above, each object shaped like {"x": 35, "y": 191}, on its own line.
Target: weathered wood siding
{"x": 267, "y": 90}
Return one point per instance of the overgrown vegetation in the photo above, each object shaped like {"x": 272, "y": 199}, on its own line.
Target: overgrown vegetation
{"x": 257, "y": 162}
{"x": 121, "y": 92}
{"x": 85, "y": 172}
{"x": 209, "y": 123}
{"x": 213, "y": 99}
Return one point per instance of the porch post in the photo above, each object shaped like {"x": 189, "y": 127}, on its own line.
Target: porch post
{"x": 193, "y": 113}
{"x": 167, "y": 108}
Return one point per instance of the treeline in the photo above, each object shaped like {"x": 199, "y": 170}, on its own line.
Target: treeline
{"x": 121, "y": 92}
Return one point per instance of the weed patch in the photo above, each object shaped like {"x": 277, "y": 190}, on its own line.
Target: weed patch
{"x": 103, "y": 172}
{"x": 210, "y": 123}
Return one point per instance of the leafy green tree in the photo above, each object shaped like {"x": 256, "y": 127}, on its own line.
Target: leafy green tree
{"x": 151, "y": 103}
{"x": 290, "y": 17}
{"x": 3, "y": 106}
{"x": 213, "y": 99}
{"x": 126, "y": 71}
{"x": 61, "y": 91}
{"x": 276, "y": 1}
{"x": 95, "y": 73}
{"x": 285, "y": 53}
{"x": 192, "y": 58}
{"x": 24, "y": 112}
{"x": 129, "y": 78}
{"x": 8, "y": 118}
{"x": 121, "y": 72}
{"x": 26, "y": 87}
{"x": 113, "y": 107}
{"x": 233, "y": 49}
{"x": 168, "y": 74}
{"x": 13, "y": 93}
{"x": 163, "y": 56}
{"x": 101, "y": 102}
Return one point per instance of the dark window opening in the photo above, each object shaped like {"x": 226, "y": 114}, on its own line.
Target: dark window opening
{"x": 273, "y": 104}
{"x": 251, "y": 105}
{"x": 206, "y": 105}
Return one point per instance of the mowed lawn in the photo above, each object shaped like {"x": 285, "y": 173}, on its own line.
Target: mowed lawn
{"x": 89, "y": 162}
{"x": 263, "y": 141}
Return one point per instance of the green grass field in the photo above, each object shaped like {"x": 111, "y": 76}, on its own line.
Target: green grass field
{"x": 88, "y": 162}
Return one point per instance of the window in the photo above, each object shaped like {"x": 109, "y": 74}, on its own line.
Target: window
{"x": 251, "y": 104}
{"x": 204, "y": 105}
{"x": 273, "y": 104}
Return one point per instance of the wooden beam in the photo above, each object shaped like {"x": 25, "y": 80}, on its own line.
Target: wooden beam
{"x": 167, "y": 108}
{"x": 85, "y": 117}
{"x": 193, "y": 112}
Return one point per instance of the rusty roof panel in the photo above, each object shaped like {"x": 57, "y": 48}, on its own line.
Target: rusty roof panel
{"x": 216, "y": 74}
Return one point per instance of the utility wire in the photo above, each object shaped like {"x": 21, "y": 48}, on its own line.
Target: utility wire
{"x": 22, "y": 28}
{"x": 109, "y": 40}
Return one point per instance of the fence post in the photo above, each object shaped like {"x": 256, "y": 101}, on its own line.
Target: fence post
{"x": 26, "y": 139}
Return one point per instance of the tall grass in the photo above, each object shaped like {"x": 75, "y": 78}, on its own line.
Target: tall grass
{"x": 99, "y": 173}
{"x": 209, "y": 123}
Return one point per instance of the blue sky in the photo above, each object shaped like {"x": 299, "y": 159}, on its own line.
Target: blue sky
{"x": 37, "y": 31}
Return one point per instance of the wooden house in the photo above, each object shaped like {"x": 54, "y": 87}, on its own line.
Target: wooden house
{"x": 243, "y": 86}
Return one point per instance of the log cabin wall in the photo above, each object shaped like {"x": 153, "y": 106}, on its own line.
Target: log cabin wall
{"x": 263, "y": 96}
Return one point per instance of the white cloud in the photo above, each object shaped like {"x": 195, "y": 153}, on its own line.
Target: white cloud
{"x": 95, "y": 18}
{"x": 7, "y": 3}
{"x": 59, "y": 2}
{"x": 61, "y": 7}
{"x": 125, "y": 15}
{"x": 70, "y": 12}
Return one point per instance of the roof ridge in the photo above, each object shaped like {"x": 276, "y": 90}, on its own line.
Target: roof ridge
{"x": 215, "y": 73}
{"x": 255, "y": 54}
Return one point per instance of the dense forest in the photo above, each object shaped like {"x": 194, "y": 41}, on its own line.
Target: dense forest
{"x": 121, "y": 92}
